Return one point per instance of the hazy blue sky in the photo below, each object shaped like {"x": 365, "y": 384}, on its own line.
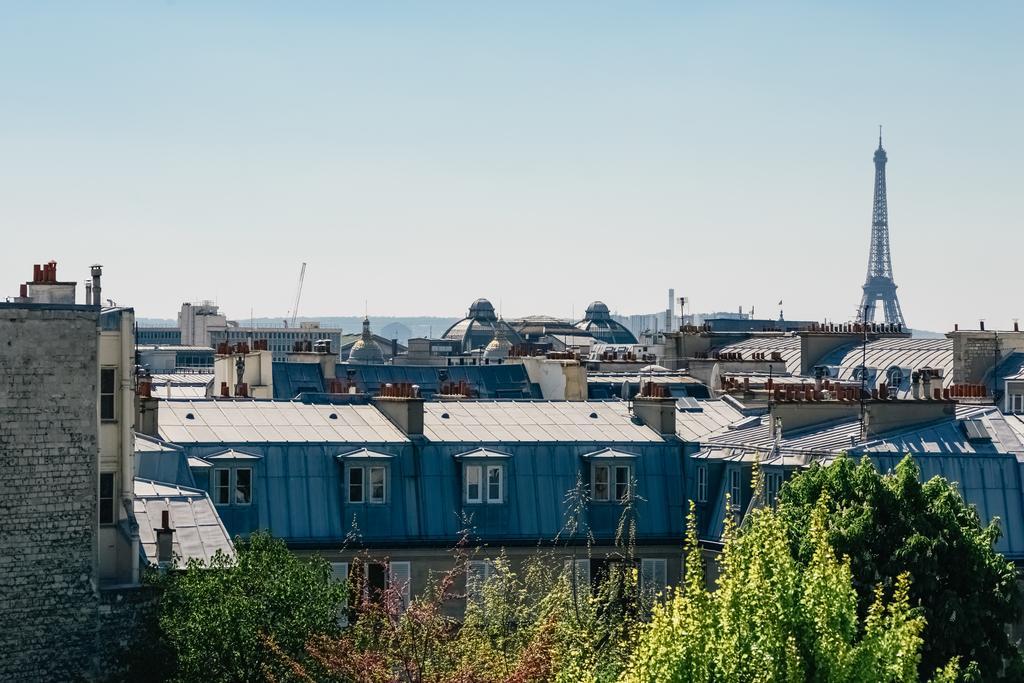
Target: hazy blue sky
{"x": 419, "y": 155}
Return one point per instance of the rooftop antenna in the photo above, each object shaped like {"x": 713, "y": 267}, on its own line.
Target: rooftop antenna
{"x": 879, "y": 135}
{"x": 864, "y": 368}
{"x": 298, "y": 293}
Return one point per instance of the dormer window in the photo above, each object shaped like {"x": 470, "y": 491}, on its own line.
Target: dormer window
{"x": 611, "y": 475}
{"x": 483, "y": 476}
{"x": 366, "y": 476}
{"x": 233, "y": 476}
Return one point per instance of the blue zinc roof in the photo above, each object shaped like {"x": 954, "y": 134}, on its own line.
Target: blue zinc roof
{"x": 301, "y": 489}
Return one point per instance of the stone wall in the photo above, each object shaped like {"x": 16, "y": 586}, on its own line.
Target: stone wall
{"x": 48, "y": 489}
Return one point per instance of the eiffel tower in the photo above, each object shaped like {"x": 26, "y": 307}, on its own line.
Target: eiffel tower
{"x": 879, "y": 285}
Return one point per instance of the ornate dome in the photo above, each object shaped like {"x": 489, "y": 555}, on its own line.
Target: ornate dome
{"x": 598, "y": 323}
{"x": 478, "y": 329}
{"x": 499, "y": 347}
{"x": 598, "y": 310}
{"x": 366, "y": 351}
{"x": 482, "y": 309}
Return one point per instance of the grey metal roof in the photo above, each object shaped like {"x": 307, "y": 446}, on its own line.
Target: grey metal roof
{"x": 941, "y": 437}
{"x": 788, "y": 345}
{"x": 882, "y": 354}
{"x": 538, "y": 421}
{"x": 712, "y": 418}
{"x": 198, "y": 530}
{"x": 248, "y": 421}
{"x": 197, "y": 379}
{"x": 174, "y": 347}
{"x": 174, "y": 392}
{"x": 669, "y": 377}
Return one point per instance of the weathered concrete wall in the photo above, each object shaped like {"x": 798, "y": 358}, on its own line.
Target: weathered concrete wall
{"x": 975, "y": 353}
{"x": 48, "y": 490}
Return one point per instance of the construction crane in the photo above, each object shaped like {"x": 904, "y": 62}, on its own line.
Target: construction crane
{"x": 298, "y": 294}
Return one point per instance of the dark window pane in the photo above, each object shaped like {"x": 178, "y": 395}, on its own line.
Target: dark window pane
{"x": 106, "y": 501}
{"x": 243, "y": 486}
{"x": 106, "y": 485}
{"x": 107, "y": 381}
{"x": 355, "y": 485}
{"x": 107, "y": 407}
{"x": 222, "y": 493}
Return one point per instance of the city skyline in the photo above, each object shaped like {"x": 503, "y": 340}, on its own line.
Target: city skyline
{"x": 556, "y": 155}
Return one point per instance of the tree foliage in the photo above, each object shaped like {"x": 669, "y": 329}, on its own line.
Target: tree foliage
{"x": 893, "y": 525}
{"x": 223, "y": 620}
{"x": 771, "y": 619}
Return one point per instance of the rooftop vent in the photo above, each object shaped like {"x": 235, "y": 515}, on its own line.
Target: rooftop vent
{"x": 189, "y": 416}
{"x": 688, "y": 404}
{"x": 593, "y": 416}
{"x": 976, "y": 430}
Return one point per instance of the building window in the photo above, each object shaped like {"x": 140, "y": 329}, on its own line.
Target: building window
{"x": 108, "y": 393}
{"x": 355, "y": 484}
{"x": 1017, "y": 403}
{"x": 378, "y": 485}
{"x": 107, "y": 511}
{"x": 735, "y": 494}
{"x": 622, "y": 482}
{"x": 495, "y": 484}
{"x": 473, "y": 483}
{"x": 243, "y": 486}
{"x": 483, "y": 483}
{"x": 772, "y": 484}
{"x": 368, "y": 484}
{"x": 605, "y": 488}
{"x": 400, "y": 581}
{"x": 222, "y": 486}
{"x": 702, "y": 483}
{"x": 478, "y": 573}
{"x": 578, "y": 572}
{"x": 600, "y": 486}
{"x": 653, "y": 576}
{"x": 339, "y": 572}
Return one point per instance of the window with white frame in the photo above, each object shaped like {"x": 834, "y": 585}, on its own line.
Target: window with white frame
{"x": 599, "y": 488}
{"x": 702, "y": 483}
{"x": 243, "y": 486}
{"x": 368, "y": 484}
{"x": 400, "y": 580}
{"x": 478, "y": 573}
{"x": 473, "y": 475}
{"x": 378, "y": 484}
{"x": 339, "y": 572}
{"x": 653, "y": 576}
{"x": 495, "y": 484}
{"x": 355, "y": 484}
{"x": 578, "y": 572}
{"x": 483, "y": 483}
{"x": 735, "y": 492}
{"x": 232, "y": 486}
{"x": 1016, "y": 403}
{"x": 610, "y": 482}
{"x": 222, "y": 486}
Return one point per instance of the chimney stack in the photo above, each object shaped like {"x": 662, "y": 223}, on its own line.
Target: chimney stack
{"x": 97, "y": 271}
{"x": 165, "y": 541}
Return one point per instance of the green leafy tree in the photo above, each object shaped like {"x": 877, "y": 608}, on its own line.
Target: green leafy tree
{"x": 770, "y": 619}
{"x": 893, "y": 525}
{"x": 230, "y": 620}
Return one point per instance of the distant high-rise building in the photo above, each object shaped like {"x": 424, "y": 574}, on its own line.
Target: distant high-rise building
{"x": 879, "y": 285}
